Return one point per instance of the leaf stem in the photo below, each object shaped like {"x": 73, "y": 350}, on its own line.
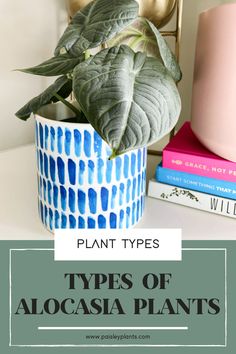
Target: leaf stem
{"x": 68, "y": 104}
{"x": 135, "y": 42}
{"x": 113, "y": 155}
{"x": 87, "y": 54}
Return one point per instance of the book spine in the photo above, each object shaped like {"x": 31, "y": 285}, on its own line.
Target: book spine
{"x": 202, "y": 166}
{"x": 197, "y": 183}
{"x": 192, "y": 199}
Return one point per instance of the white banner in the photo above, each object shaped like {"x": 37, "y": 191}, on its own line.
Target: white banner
{"x": 118, "y": 245}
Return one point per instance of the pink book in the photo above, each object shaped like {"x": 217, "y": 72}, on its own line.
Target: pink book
{"x": 185, "y": 153}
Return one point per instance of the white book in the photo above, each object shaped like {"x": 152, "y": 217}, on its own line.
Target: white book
{"x": 192, "y": 199}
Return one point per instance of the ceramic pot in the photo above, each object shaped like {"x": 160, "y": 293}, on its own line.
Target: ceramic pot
{"x": 78, "y": 187}
{"x": 157, "y": 11}
{"x": 214, "y": 87}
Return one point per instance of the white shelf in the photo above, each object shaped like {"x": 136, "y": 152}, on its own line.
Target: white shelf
{"x": 19, "y": 217}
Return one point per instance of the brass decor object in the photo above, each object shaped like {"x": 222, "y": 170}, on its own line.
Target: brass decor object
{"x": 160, "y": 13}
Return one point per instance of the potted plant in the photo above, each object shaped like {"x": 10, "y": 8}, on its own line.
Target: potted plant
{"x": 92, "y": 153}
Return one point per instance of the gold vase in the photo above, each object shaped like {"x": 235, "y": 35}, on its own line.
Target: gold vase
{"x": 157, "y": 11}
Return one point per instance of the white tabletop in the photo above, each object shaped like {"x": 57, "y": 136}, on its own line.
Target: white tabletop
{"x": 19, "y": 216}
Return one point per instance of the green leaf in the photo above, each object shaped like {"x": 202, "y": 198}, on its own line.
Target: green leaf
{"x": 62, "y": 86}
{"x": 99, "y": 21}
{"x": 55, "y": 66}
{"x": 143, "y": 36}
{"x": 130, "y": 99}
{"x": 167, "y": 56}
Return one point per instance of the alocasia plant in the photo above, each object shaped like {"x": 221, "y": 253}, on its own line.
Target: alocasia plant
{"x": 127, "y": 90}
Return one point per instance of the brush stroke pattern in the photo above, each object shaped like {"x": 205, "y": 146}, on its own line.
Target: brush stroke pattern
{"x": 78, "y": 187}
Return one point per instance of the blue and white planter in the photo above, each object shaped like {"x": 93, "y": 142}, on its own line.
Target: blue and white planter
{"x": 78, "y": 187}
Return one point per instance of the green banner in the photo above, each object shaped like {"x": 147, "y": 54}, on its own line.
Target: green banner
{"x": 174, "y": 307}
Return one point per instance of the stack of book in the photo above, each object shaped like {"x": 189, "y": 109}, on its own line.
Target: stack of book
{"x": 193, "y": 176}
